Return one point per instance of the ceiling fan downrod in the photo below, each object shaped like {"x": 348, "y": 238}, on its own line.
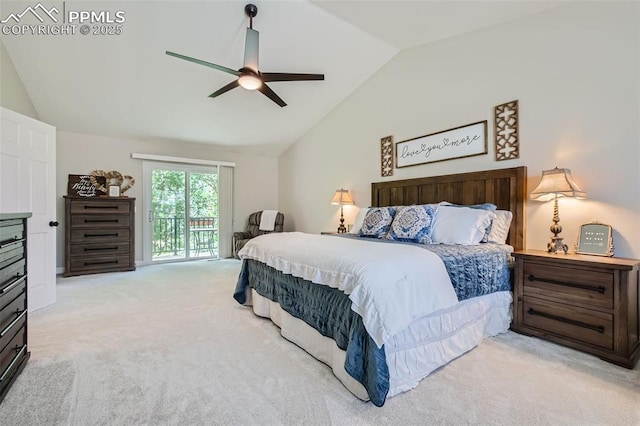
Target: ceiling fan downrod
{"x": 251, "y": 10}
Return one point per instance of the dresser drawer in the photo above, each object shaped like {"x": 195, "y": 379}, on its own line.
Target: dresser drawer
{"x": 10, "y": 272}
{"x": 101, "y": 206}
{"x": 101, "y": 221}
{"x": 12, "y": 318}
{"x": 582, "y": 286}
{"x": 102, "y": 263}
{"x": 583, "y": 325}
{"x": 12, "y": 355}
{"x": 11, "y": 252}
{"x": 11, "y": 230}
{"x": 100, "y": 249}
{"x": 95, "y": 235}
{"x": 11, "y": 290}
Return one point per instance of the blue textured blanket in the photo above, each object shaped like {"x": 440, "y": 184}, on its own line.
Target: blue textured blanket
{"x": 474, "y": 271}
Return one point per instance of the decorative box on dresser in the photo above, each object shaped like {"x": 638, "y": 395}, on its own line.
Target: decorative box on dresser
{"x": 13, "y": 298}
{"x": 99, "y": 235}
{"x": 589, "y": 303}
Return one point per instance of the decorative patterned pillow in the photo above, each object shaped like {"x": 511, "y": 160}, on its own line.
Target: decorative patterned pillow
{"x": 412, "y": 223}
{"x": 377, "y": 222}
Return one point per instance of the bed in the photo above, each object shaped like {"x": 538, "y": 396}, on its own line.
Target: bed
{"x": 375, "y": 355}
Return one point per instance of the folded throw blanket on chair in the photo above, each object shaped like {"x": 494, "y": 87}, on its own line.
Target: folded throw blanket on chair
{"x": 268, "y": 220}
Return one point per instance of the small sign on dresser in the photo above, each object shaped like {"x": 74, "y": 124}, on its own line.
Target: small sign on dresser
{"x": 81, "y": 186}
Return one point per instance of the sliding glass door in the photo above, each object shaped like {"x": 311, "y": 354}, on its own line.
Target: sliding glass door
{"x": 182, "y": 220}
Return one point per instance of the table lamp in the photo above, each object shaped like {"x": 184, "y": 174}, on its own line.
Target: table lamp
{"x": 342, "y": 198}
{"x": 554, "y": 184}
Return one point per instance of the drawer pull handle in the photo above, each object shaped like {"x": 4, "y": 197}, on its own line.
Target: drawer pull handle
{"x": 114, "y": 234}
{"x": 9, "y": 287}
{"x": 11, "y": 242}
{"x": 15, "y": 359}
{"x": 598, "y": 328}
{"x": 600, "y": 289}
{"x": 101, "y": 207}
{"x": 106, "y": 262}
{"x": 100, "y": 248}
{"x": 101, "y": 220}
{"x": 14, "y": 322}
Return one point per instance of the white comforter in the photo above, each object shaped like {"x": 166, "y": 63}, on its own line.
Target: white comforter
{"x": 389, "y": 285}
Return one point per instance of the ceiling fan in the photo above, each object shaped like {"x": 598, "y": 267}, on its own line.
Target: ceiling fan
{"x": 249, "y": 76}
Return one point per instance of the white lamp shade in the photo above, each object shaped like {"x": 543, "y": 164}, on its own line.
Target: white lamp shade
{"x": 557, "y": 183}
{"x": 342, "y": 198}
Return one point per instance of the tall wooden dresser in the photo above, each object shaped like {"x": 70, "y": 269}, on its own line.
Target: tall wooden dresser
{"x": 99, "y": 235}
{"x": 13, "y": 298}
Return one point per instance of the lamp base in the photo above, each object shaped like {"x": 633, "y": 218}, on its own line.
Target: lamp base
{"x": 341, "y": 229}
{"x": 556, "y": 245}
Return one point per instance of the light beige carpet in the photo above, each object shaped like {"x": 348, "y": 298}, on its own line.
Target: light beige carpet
{"x": 167, "y": 344}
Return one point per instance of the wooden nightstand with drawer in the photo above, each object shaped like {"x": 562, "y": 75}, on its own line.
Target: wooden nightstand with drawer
{"x": 588, "y": 303}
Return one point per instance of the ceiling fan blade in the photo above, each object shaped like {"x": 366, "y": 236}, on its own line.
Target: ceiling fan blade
{"x": 224, "y": 89}
{"x": 284, "y": 76}
{"x": 251, "y": 50}
{"x": 206, "y": 64}
{"x": 266, "y": 90}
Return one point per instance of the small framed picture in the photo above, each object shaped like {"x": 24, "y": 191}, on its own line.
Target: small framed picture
{"x": 114, "y": 191}
{"x": 595, "y": 238}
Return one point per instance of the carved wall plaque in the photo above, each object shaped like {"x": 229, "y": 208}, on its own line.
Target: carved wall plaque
{"x": 507, "y": 142}
{"x": 386, "y": 156}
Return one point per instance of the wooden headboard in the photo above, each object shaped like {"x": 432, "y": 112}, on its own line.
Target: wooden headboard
{"x": 506, "y": 188}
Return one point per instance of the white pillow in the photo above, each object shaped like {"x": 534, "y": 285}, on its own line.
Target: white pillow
{"x": 500, "y": 227}
{"x": 460, "y": 225}
{"x": 357, "y": 223}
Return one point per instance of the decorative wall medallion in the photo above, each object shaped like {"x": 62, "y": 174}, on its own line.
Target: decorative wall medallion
{"x": 386, "y": 156}
{"x": 507, "y": 143}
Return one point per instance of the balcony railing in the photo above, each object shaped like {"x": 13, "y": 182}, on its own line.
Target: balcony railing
{"x": 169, "y": 236}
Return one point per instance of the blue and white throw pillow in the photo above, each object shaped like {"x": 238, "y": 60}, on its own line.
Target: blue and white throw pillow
{"x": 377, "y": 222}
{"x": 412, "y": 223}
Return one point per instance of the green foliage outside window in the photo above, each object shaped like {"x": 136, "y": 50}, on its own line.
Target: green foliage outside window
{"x": 168, "y": 203}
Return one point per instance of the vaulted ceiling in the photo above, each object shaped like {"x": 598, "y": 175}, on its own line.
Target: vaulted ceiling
{"x": 124, "y": 85}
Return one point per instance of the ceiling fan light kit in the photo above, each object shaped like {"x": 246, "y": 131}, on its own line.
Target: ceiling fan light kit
{"x": 249, "y": 76}
{"x": 249, "y": 81}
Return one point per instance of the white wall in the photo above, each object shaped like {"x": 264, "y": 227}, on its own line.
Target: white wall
{"x": 13, "y": 95}
{"x": 255, "y": 177}
{"x": 575, "y": 73}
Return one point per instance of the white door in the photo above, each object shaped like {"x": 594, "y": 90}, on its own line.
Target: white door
{"x": 28, "y": 184}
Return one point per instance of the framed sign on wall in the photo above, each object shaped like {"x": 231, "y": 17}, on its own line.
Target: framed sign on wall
{"x": 464, "y": 141}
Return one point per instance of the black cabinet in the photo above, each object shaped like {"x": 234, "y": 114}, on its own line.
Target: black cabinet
{"x": 13, "y": 298}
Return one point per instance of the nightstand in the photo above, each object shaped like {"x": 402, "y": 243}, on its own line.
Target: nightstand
{"x": 588, "y": 303}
